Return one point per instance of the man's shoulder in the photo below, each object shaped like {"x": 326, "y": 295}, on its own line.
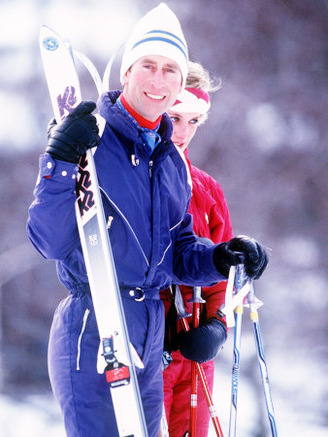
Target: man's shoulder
{"x": 166, "y": 128}
{"x": 181, "y": 162}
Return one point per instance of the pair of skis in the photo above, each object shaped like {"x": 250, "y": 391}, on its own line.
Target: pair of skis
{"x": 117, "y": 357}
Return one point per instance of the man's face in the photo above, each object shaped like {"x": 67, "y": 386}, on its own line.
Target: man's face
{"x": 152, "y": 85}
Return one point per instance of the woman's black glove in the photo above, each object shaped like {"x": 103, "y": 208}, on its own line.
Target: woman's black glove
{"x": 203, "y": 343}
{"x": 69, "y": 140}
{"x": 239, "y": 250}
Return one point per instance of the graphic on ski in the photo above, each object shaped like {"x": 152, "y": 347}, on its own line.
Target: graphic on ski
{"x": 117, "y": 356}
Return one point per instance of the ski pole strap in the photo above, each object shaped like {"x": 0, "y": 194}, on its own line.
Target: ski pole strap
{"x": 179, "y": 305}
{"x": 242, "y": 287}
{"x": 237, "y": 299}
{"x": 230, "y": 319}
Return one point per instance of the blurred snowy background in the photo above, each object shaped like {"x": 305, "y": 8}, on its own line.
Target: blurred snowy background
{"x": 265, "y": 142}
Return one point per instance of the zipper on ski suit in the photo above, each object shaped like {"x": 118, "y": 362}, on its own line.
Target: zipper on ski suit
{"x": 151, "y": 164}
{"x": 79, "y": 341}
{"x": 127, "y": 223}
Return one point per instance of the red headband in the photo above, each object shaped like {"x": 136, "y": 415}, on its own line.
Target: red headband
{"x": 192, "y": 100}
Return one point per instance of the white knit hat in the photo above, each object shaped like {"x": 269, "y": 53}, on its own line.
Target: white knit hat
{"x": 157, "y": 33}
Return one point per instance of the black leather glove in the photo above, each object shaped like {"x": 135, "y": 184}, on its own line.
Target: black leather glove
{"x": 244, "y": 250}
{"x": 203, "y": 343}
{"x": 69, "y": 140}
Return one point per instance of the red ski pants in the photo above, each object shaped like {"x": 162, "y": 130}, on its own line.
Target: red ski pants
{"x": 177, "y": 384}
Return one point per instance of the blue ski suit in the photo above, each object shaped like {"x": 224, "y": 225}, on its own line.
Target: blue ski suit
{"x": 146, "y": 199}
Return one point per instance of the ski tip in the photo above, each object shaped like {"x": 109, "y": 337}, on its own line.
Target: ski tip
{"x": 45, "y": 26}
{"x": 47, "y": 30}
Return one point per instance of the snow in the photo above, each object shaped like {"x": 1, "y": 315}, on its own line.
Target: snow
{"x": 31, "y": 416}
{"x": 68, "y": 18}
{"x": 296, "y": 384}
{"x": 300, "y": 251}
{"x": 110, "y": 32}
{"x": 267, "y": 125}
{"x": 9, "y": 12}
{"x": 20, "y": 62}
{"x": 271, "y": 129}
{"x": 17, "y": 107}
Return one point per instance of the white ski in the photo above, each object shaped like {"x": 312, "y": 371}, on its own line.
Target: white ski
{"x": 117, "y": 357}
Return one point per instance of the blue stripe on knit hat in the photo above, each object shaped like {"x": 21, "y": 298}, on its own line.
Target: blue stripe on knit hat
{"x": 173, "y": 36}
{"x": 157, "y": 38}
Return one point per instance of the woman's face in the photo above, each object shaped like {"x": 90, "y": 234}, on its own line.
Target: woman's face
{"x": 184, "y": 127}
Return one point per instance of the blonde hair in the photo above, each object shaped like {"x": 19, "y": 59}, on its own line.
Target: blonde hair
{"x": 198, "y": 77}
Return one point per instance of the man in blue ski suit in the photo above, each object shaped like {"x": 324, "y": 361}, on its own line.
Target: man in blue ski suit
{"x": 146, "y": 192}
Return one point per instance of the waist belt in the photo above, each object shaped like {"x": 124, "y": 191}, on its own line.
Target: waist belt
{"x": 139, "y": 294}
{"x": 136, "y": 293}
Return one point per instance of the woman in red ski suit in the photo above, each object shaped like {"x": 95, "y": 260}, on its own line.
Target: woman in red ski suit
{"x": 211, "y": 219}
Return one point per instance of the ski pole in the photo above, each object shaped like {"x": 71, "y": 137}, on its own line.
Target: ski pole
{"x": 236, "y": 355}
{"x": 235, "y": 370}
{"x": 196, "y": 301}
{"x": 200, "y": 371}
{"x": 254, "y": 304}
{"x": 164, "y": 429}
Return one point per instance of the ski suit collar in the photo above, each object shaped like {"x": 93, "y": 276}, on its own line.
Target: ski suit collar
{"x": 119, "y": 121}
{"x": 123, "y": 123}
{"x": 149, "y": 134}
{"x": 141, "y": 121}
